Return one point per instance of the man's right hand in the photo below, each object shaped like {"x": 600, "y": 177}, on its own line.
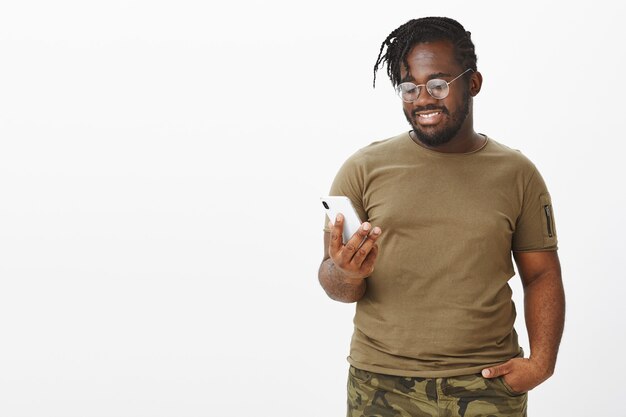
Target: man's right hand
{"x": 353, "y": 261}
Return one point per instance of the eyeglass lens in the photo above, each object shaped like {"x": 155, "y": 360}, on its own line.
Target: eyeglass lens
{"x": 437, "y": 88}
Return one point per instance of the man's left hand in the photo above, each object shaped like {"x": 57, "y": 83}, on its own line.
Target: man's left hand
{"x": 521, "y": 374}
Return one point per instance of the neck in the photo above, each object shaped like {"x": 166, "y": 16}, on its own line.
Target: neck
{"x": 458, "y": 144}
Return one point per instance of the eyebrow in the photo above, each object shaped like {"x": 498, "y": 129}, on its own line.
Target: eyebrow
{"x": 410, "y": 78}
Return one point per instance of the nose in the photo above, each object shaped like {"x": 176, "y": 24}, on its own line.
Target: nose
{"x": 424, "y": 98}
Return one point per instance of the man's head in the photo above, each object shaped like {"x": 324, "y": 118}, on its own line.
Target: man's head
{"x": 433, "y": 48}
{"x": 425, "y": 29}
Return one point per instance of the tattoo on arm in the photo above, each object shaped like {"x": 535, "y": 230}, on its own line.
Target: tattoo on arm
{"x": 338, "y": 289}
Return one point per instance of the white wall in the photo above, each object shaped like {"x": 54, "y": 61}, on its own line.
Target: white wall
{"x": 160, "y": 169}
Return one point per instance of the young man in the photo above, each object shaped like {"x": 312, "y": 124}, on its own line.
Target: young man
{"x": 444, "y": 209}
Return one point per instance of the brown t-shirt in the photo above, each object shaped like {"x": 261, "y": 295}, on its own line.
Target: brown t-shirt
{"x": 438, "y": 303}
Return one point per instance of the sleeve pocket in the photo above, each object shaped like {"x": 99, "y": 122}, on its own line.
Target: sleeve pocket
{"x": 548, "y": 224}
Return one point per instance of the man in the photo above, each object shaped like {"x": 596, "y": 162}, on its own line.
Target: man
{"x": 444, "y": 209}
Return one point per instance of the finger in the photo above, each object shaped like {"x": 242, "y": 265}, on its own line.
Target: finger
{"x": 496, "y": 371}
{"x": 352, "y": 245}
{"x": 367, "y": 267}
{"x": 336, "y": 236}
{"x": 364, "y": 250}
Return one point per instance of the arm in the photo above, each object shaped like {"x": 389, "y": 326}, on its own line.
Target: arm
{"x": 344, "y": 267}
{"x": 544, "y": 308}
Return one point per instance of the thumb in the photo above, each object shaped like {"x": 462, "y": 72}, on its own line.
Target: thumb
{"x": 496, "y": 371}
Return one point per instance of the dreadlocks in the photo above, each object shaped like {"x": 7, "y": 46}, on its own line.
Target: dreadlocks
{"x": 426, "y": 29}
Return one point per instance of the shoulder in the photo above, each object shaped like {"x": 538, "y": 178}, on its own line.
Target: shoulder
{"x": 510, "y": 157}
{"x": 380, "y": 150}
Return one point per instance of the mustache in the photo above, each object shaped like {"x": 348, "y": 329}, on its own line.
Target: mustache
{"x": 430, "y": 107}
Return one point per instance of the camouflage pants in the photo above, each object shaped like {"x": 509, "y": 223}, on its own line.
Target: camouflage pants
{"x": 377, "y": 395}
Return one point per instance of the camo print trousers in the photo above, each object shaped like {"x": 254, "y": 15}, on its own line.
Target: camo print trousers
{"x": 377, "y": 395}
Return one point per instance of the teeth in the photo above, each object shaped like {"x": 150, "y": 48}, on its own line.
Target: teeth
{"x": 429, "y": 115}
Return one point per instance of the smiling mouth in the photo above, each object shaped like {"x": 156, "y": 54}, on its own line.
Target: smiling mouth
{"x": 429, "y": 118}
{"x": 428, "y": 115}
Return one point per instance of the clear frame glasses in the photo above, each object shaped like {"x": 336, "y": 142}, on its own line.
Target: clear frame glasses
{"x": 436, "y": 87}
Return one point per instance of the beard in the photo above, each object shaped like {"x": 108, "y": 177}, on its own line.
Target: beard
{"x": 444, "y": 134}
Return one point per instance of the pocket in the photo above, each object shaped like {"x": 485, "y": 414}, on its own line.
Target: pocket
{"x": 547, "y": 216}
{"x": 360, "y": 375}
{"x": 508, "y": 388}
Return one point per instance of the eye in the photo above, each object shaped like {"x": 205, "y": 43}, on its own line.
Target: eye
{"x": 407, "y": 88}
{"x": 437, "y": 85}
{"x": 438, "y": 88}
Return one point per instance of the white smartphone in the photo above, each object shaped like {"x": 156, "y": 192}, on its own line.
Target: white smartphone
{"x": 342, "y": 204}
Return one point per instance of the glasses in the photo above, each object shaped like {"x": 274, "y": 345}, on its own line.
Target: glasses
{"x": 436, "y": 87}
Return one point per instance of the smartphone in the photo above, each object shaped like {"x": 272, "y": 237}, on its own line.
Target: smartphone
{"x": 342, "y": 204}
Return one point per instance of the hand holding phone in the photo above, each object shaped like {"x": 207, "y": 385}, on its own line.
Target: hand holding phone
{"x": 342, "y": 204}
{"x": 356, "y": 255}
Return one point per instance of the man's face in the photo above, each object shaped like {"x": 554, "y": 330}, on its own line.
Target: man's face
{"x": 436, "y": 122}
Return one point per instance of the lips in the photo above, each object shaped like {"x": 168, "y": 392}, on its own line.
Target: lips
{"x": 429, "y": 114}
{"x": 429, "y": 117}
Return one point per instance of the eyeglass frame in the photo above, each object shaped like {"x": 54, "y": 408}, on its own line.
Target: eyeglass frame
{"x": 419, "y": 90}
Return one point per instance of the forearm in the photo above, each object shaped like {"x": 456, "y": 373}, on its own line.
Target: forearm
{"x": 337, "y": 286}
{"x": 544, "y": 306}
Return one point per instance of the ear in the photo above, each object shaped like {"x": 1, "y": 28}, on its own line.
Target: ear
{"x": 476, "y": 82}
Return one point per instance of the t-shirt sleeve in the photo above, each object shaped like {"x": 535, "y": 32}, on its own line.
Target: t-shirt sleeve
{"x": 349, "y": 182}
{"x": 535, "y": 227}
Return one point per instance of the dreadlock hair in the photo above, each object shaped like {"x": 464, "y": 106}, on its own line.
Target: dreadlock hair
{"x": 426, "y": 29}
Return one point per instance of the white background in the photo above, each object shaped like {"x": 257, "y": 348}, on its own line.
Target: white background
{"x": 161, "y": 165}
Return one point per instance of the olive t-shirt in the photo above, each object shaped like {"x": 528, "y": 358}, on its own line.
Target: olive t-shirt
{"x": 438, "y": 302}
